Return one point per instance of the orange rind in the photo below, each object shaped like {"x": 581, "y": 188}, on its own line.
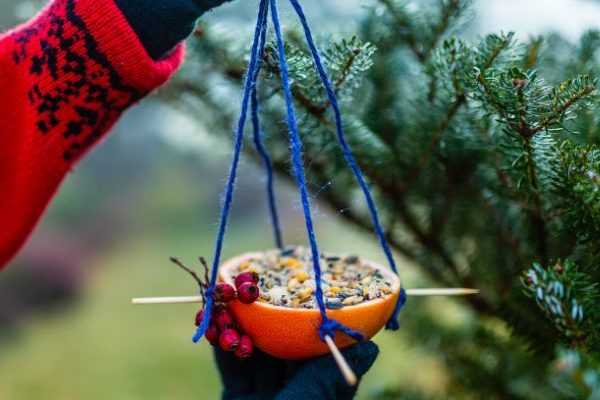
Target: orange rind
{"x": 292, "y": 333}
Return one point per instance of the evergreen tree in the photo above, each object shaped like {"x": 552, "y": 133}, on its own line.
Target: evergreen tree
{"x": 485, "y": 160}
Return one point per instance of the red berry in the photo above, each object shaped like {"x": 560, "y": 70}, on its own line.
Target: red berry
{"x": 245, "y": 349}
{"x": 229, "y": 340}
{"x": 199, "y": 317}
{"x": 248, "y": 293}
{"x": 212, "y": 334}
{"x": 224, "y": 293}
{"x": 217, "y": 308}
{"x": 244, "y": 277}
{"x": 223, "y": 319}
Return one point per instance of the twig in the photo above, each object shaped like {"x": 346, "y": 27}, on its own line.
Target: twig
{"x": 409, "y": 36}
{"x": 205, "y": 265}
{"x": 415, "y": 173}
{"x": 559, "y": 112}
{"x": 176, "y": 261}
{"x": 201, "y": 285}
{"x": 537, "y": 215}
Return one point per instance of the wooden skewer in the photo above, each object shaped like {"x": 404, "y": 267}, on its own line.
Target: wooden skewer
{"x": 343, "y": 365}
{"x": 341, "y": 362}
{"x": 167, "y": 300}
{"x": 409, "y": 292}
{"x": 442, "y": 292}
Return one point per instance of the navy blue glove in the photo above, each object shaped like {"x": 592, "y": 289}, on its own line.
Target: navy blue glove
{"x": 264, "y": 377}
{"x": 162, "y": 24}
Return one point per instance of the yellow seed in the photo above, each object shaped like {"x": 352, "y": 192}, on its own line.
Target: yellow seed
{"x": 301, "y": 276}
{"x": 352, "y": 300}
{"x": 348, "y": 301}
{"x": 264, "y": 297}
{"x": 366, "y": 280}
{"x": 291, "y": 263}
{"x": 245, "y": 266}
{"x": 334, "y": 290}
{"x": 305, "y": 294}
{"x": 292, "y": 283}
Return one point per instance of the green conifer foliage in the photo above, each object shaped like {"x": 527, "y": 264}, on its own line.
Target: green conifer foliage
{"x": 484, "y": 156}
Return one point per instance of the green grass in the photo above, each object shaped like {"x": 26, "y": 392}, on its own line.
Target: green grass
{"x": 104, "y": 348}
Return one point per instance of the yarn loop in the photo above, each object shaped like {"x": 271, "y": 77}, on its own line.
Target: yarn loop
{"x": 328, "y": 327}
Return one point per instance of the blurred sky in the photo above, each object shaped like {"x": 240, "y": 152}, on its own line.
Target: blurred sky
{"x": 570, "y": 17}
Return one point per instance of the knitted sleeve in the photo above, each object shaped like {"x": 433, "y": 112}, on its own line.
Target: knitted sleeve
{"x": 65, "y": 78}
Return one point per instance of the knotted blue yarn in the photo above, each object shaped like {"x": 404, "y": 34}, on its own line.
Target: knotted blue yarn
{"x": 350, "y": 159}
{"x": 260, "y": 148}
{"x": 229, "y": 189}
{"x": 328, "y": 327}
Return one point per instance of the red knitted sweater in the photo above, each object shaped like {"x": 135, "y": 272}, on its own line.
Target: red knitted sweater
{"x": 65, "y": 78}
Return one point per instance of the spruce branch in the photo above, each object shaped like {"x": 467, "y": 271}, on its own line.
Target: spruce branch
{"x": 565, "y": 97}
{"x": 347, "y": 61}
{"x": 577, "y": 188}
{"x": 450, "y": 12}
{"x": 506, "y": 158}
{"x": 405, "y": 28}
{"x": 568, "y": 297}
{"x": 537, "y": 213}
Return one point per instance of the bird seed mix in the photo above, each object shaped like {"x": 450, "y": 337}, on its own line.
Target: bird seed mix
{"x": 287, "y": 279}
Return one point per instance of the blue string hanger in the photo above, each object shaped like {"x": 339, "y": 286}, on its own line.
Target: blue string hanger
{"x": 328, "y": 327}
{"x": 260, "y": 148}
{"x": 350, "y": 160}
{"x": 250, "y": 83}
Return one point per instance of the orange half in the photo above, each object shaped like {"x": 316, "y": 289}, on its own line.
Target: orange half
{"x": 292, "y": 333}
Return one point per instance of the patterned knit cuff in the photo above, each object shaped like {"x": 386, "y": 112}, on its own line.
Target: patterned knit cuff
{"x": 123, "y": 49}
{"x": 82, "y": 66}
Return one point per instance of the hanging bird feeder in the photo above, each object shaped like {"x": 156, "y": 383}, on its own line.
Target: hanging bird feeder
{"x": 301, "y": 332}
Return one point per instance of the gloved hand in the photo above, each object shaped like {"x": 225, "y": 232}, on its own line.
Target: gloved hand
{"x": 264, "y": 377}
{"x": 162, "y": 24}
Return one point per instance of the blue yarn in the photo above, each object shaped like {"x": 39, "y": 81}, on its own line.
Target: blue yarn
{"x": 328, "y": 327}
{"x": 260, "y": 148}
{"x": 393, "y": 324}
{"x": 229, "y": 189}
{"x": 348, "y": 155}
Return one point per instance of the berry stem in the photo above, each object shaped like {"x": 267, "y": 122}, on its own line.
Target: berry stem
{"x": 205, "y": 265}
{"x": 201, "y": 284}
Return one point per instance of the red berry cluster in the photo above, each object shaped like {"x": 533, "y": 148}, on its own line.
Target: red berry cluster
{"x": 223, "y": 331}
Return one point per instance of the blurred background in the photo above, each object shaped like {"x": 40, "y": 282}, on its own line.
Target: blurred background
{"x": 67, "y": 330}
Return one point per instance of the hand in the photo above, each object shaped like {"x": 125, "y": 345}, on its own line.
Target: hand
{"x": 265, "y": 377}
{"x": 207, "y": 5}
{"x": 162, "y": 24}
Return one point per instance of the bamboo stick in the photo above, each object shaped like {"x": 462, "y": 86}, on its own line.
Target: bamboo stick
{"x": 442, "y": 292}
{"x": 167, "y": 300}
{"x": 341, "y": 362}
{"x": 409, "y": 292}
